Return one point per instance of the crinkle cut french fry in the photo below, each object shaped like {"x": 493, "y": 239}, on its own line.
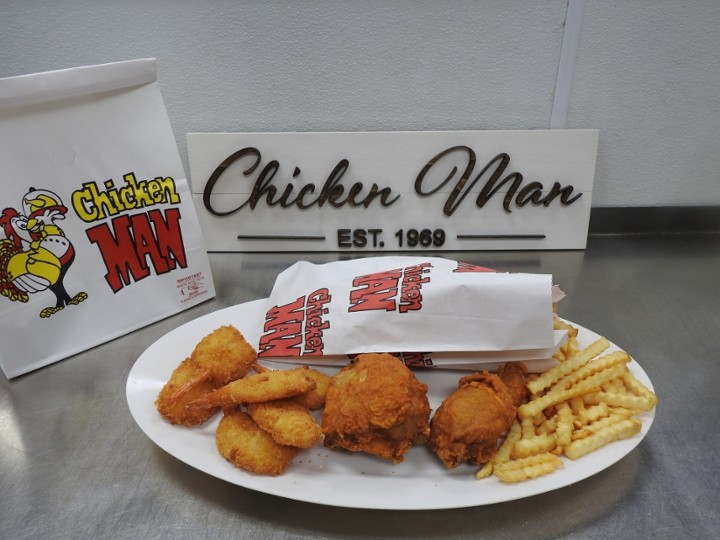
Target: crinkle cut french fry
{"x": 572, "y": 345}
{"x": 577, "y": 405}
{"x": 636, "y": 387}
{"x": 527, "y": 428}
{"x": 503, "y": 454}
{"x": 548, "y": 426}
{"x": 556, "y": 373}
{"x": 485, "y": 471}
{"x": 622, "y": 411}
{"x": 627, "y": 401}
{"x": 513, "y": 435}
{"x": 591, "y": 414}
{"x": 580, "y": 405}
{"x": 616, "y": 386}
{"x": 533, "y": 445}
{"x": 610, "y": 386}
{"x": 533, "y": 407}
{"x": 596, "y": 426}
{"x": 590, "y": 368}
{"x": 565, "y": 424}
{"x": 526, "y": 468}
{"x": 559, "y": 324}
{"x": 621, "y": 430}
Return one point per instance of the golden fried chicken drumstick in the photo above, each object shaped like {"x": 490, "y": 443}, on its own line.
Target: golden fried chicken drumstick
{"x": 468, "y": 424}
{"x": 514, "y": 376}
{"x": 376, "y": 405}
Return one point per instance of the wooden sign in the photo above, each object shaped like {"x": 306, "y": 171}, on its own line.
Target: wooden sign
{"x": 393, "y": 191}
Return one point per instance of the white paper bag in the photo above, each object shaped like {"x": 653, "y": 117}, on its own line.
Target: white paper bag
{"x": 460, "y": 313}
{"x": 98, "y": 233}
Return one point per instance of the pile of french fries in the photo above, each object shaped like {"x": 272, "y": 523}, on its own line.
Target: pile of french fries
{"x": 585, "y": 402}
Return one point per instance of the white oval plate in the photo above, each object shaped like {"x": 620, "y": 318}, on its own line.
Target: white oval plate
{"x": 322, "y": 476}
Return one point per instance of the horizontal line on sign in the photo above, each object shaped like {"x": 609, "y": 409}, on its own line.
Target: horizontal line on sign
{"x": 278, "y": 237}
{"x": 500, "y": 236}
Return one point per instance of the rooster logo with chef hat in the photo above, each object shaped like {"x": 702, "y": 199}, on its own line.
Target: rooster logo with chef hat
{"x": 35, "y": 254}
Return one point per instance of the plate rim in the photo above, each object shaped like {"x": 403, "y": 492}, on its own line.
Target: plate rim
{"x": 293, "y": 483}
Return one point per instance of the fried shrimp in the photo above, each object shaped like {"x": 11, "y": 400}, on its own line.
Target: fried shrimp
{"x": 220, "y": 357}
{"x": 288, "y": 422}
{"x": 314, "y": 399}
{"x": 244, "y": 444}
{"x": 174, "y": 409}
{"x": 267, "y": 386}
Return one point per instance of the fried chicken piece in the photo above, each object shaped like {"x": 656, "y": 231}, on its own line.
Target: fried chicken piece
{"x": 469, "y": 422}
{"x": 376, "y": 405}
{"x": 220, "y": 357}
{"x": 288, "y": 422}
{"x": 514, "y": 376}
{"x": 266, "y": 386}
{"x": 244, "y": 444}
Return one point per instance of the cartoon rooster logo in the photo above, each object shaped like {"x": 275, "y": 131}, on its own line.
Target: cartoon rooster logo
{"x": 35, "y": 255}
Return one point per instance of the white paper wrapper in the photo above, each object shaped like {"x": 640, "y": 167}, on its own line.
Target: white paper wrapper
{"x": 462, "y": 314}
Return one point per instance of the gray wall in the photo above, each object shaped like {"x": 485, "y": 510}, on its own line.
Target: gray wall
{"x": 646, "y": 74}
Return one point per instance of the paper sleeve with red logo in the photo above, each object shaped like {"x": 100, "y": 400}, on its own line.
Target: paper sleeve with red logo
{"x": 409, "y": 305}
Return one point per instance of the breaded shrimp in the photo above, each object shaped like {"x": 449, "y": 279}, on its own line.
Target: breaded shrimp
{"x": 288, "y": 422}
{"x": 314, "y": 399}
{"x": 257, "y": 388}
{"x": 220, "y": 357}
{"x": 174, "y": 409}
{"x": 244, "y": 444}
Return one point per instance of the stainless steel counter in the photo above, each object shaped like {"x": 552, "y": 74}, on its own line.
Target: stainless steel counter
{"x": 73, "y": 464}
